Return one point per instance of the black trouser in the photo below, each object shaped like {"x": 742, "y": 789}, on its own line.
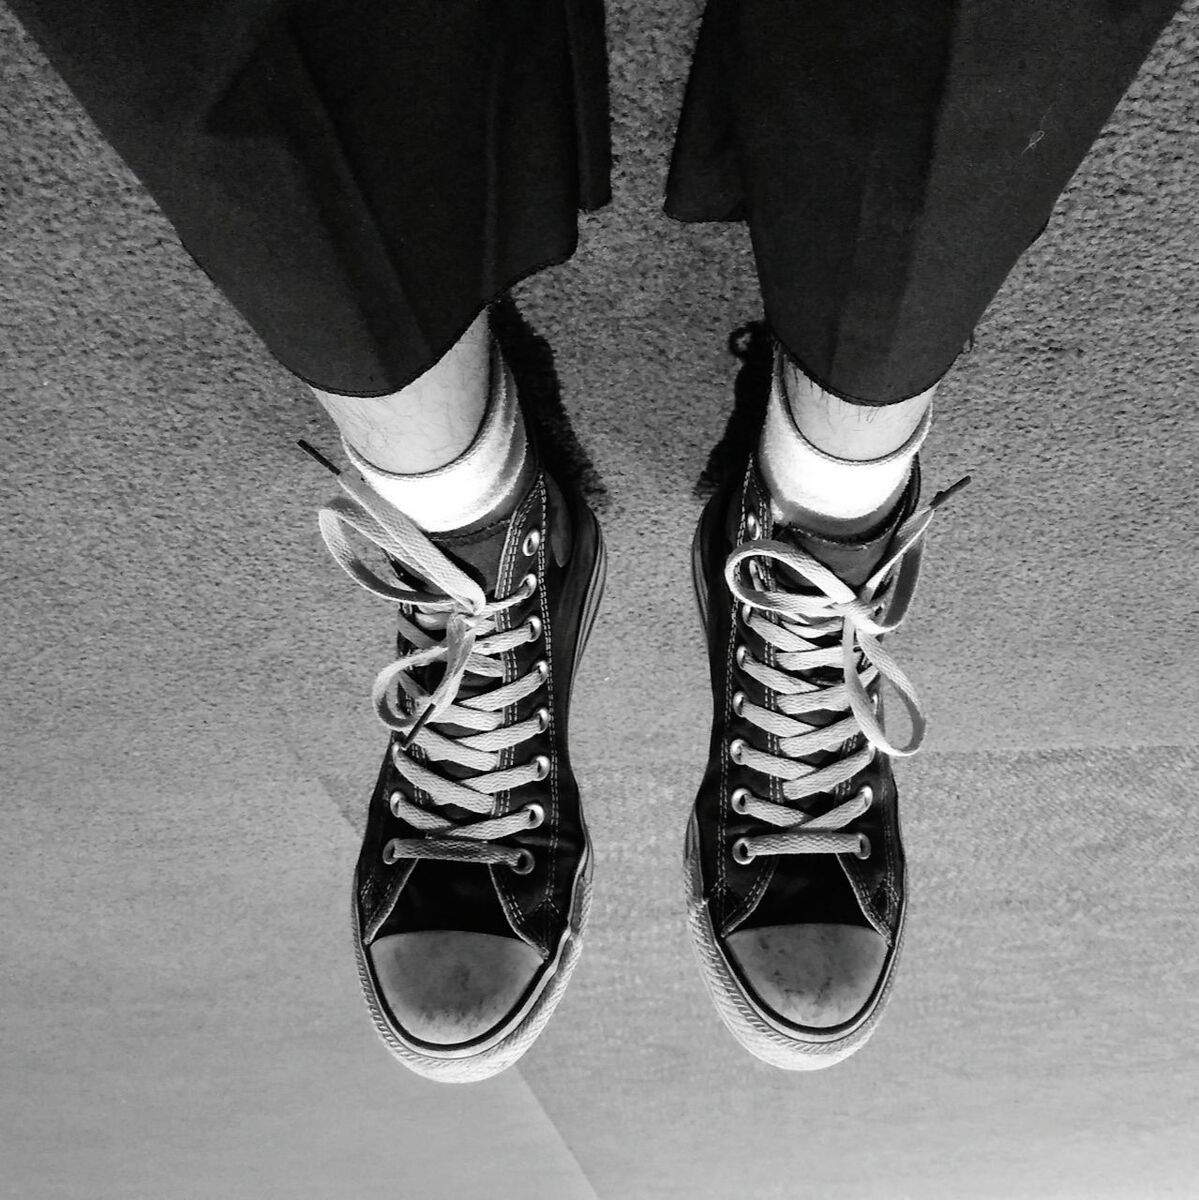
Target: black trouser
{"x": 361, "y": 178}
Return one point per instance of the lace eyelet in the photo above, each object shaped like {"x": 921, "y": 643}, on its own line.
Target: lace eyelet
{"x": 543, "y": 719}
{"x": 542, "y": 668}
{"x": 532, "y": 540}
{"x": 528, "y": 585}
{"x": 392, "y": 800}
{"x": 739, "y": 655}
{"x": 740, "y": 800}
{"x": 523, "y": 864}
{"x": 742, "y": 853}
{"x": 747, "y": 611}
{"x": 536, "y": 815}
{"x": 868, "y": 792}
{"x": 534, "y": 624}
{"x": 390, "y": 857}
{"x": 863, "y": 850}
{"x": 543, "y": 767}
{"x": 751, "y": 526}
{"x": 739, "y": 703}
{"x": 736, "y": 748}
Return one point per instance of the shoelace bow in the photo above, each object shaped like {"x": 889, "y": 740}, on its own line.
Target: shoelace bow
{"x": 471, "y": 645}
{"x": 799, "y": 621}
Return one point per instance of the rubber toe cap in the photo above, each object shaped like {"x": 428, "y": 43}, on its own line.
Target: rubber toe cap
{"x": 449, "y": 987}
{"x": 813, "y": 975}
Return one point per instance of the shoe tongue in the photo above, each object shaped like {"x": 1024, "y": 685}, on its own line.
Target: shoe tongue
{"x": 852, "y": 560}
{"x": 478, "y": 553}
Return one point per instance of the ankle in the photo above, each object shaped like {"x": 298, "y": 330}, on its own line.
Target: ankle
{"x": 825, "y": 492}
{"x": 848, "y": 431}
{"x": 430, "y": 422}
{"x": 483, "y": 484}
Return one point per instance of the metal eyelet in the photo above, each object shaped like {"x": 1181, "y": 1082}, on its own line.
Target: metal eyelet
{"x": 542, "y": 668}
{"x": 739, "y": 655}
{"x": 543, "y": 719}
{"x": 868, "y": 792}
{"x": 536, "y": 814}
{"x": 742, "y": 853}
{"x": 528, "y": 585}
{"x": 751, "y": 525}
{"x": 740, "y": 800}
{"x": 534, "y": 624}
{"x": 389, "y": 853}
{"x": 524, "y": 864}
{"x": 739, "y": 703}
{"x": 863, "y": 850}
{"x": 532, "y": 540}
{"x": 747, "y": 611}
{"x": 736, "y": 747}
{"x": 543, "y": 766}
{"x": 391, "y": 803}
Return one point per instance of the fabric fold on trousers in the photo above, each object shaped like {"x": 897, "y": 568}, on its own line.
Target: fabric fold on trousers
{"x": 893, "y": 159}
{"x": 359, "y": 180}
{"x": 438, "y": 150}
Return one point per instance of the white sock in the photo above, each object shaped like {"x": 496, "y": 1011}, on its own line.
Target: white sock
{"x": 811, "y": 488}
{"x": 486, "y": 481}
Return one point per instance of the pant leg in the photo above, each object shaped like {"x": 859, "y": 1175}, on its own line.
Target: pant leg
{"x": 893, "y": 159}
{"x": 359, "y": 179}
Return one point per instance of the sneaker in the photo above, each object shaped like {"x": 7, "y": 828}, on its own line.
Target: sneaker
{"x": 473, "y": 885}
{"x": 794, "y": 861}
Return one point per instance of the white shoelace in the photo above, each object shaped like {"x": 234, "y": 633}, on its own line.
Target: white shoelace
{"x": 461, "y": 611}
{"x": 854, "y": 614}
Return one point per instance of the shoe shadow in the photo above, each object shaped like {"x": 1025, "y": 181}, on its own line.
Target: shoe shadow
{"x": 532, "y": 362}
{"x": 752, "y": 344}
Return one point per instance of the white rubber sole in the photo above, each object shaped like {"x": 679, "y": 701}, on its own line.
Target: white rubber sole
{"x": 484, "y": 1058}
{"x": 764, "y": 1036}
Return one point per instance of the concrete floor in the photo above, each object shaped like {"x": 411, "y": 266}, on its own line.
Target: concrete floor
{"x": 189, "y": 744}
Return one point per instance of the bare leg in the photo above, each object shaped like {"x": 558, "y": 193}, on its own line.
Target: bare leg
{"x": 834, "y": 467}
{"x": 855, "y": 431}
{"x": 428, "y": 423}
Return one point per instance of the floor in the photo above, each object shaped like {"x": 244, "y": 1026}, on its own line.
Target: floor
{"x": 189, "y": 742}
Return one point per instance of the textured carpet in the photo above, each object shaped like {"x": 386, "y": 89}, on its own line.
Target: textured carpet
{"x": 189, "y": 745}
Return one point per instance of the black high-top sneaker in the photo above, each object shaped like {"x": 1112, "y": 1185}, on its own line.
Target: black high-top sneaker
{"x": 794, "y": 862}
{"x": 473, "y": 884}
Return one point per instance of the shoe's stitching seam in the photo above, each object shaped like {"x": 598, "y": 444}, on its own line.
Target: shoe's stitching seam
{"x": 547, "y": 634}
{"x": 890, "y": 832}
{"x": 762, "y": 877}
{"x": 722, "y": 886}
{"x": 774, "y": 742}
{"x": 507, "y": 561}
{"x": 890, "y": 826}
{"x": 892, "y": 861}
{"x": 505, "y": 624}
{"x": 507, "y": 565}
{"x": 858, "y": 885}
{"x": 863, "y": 898}
{"x": 764, "y": 873}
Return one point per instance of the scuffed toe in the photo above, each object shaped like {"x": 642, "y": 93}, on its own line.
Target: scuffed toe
{"x": 813, "y": 975}
{"x": 448, "y": 987}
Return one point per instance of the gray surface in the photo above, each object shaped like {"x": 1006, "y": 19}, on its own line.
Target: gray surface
{"x": 189, "y": 741}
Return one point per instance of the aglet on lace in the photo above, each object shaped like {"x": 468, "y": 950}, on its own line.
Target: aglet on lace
{"x": 405, "y": 740}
